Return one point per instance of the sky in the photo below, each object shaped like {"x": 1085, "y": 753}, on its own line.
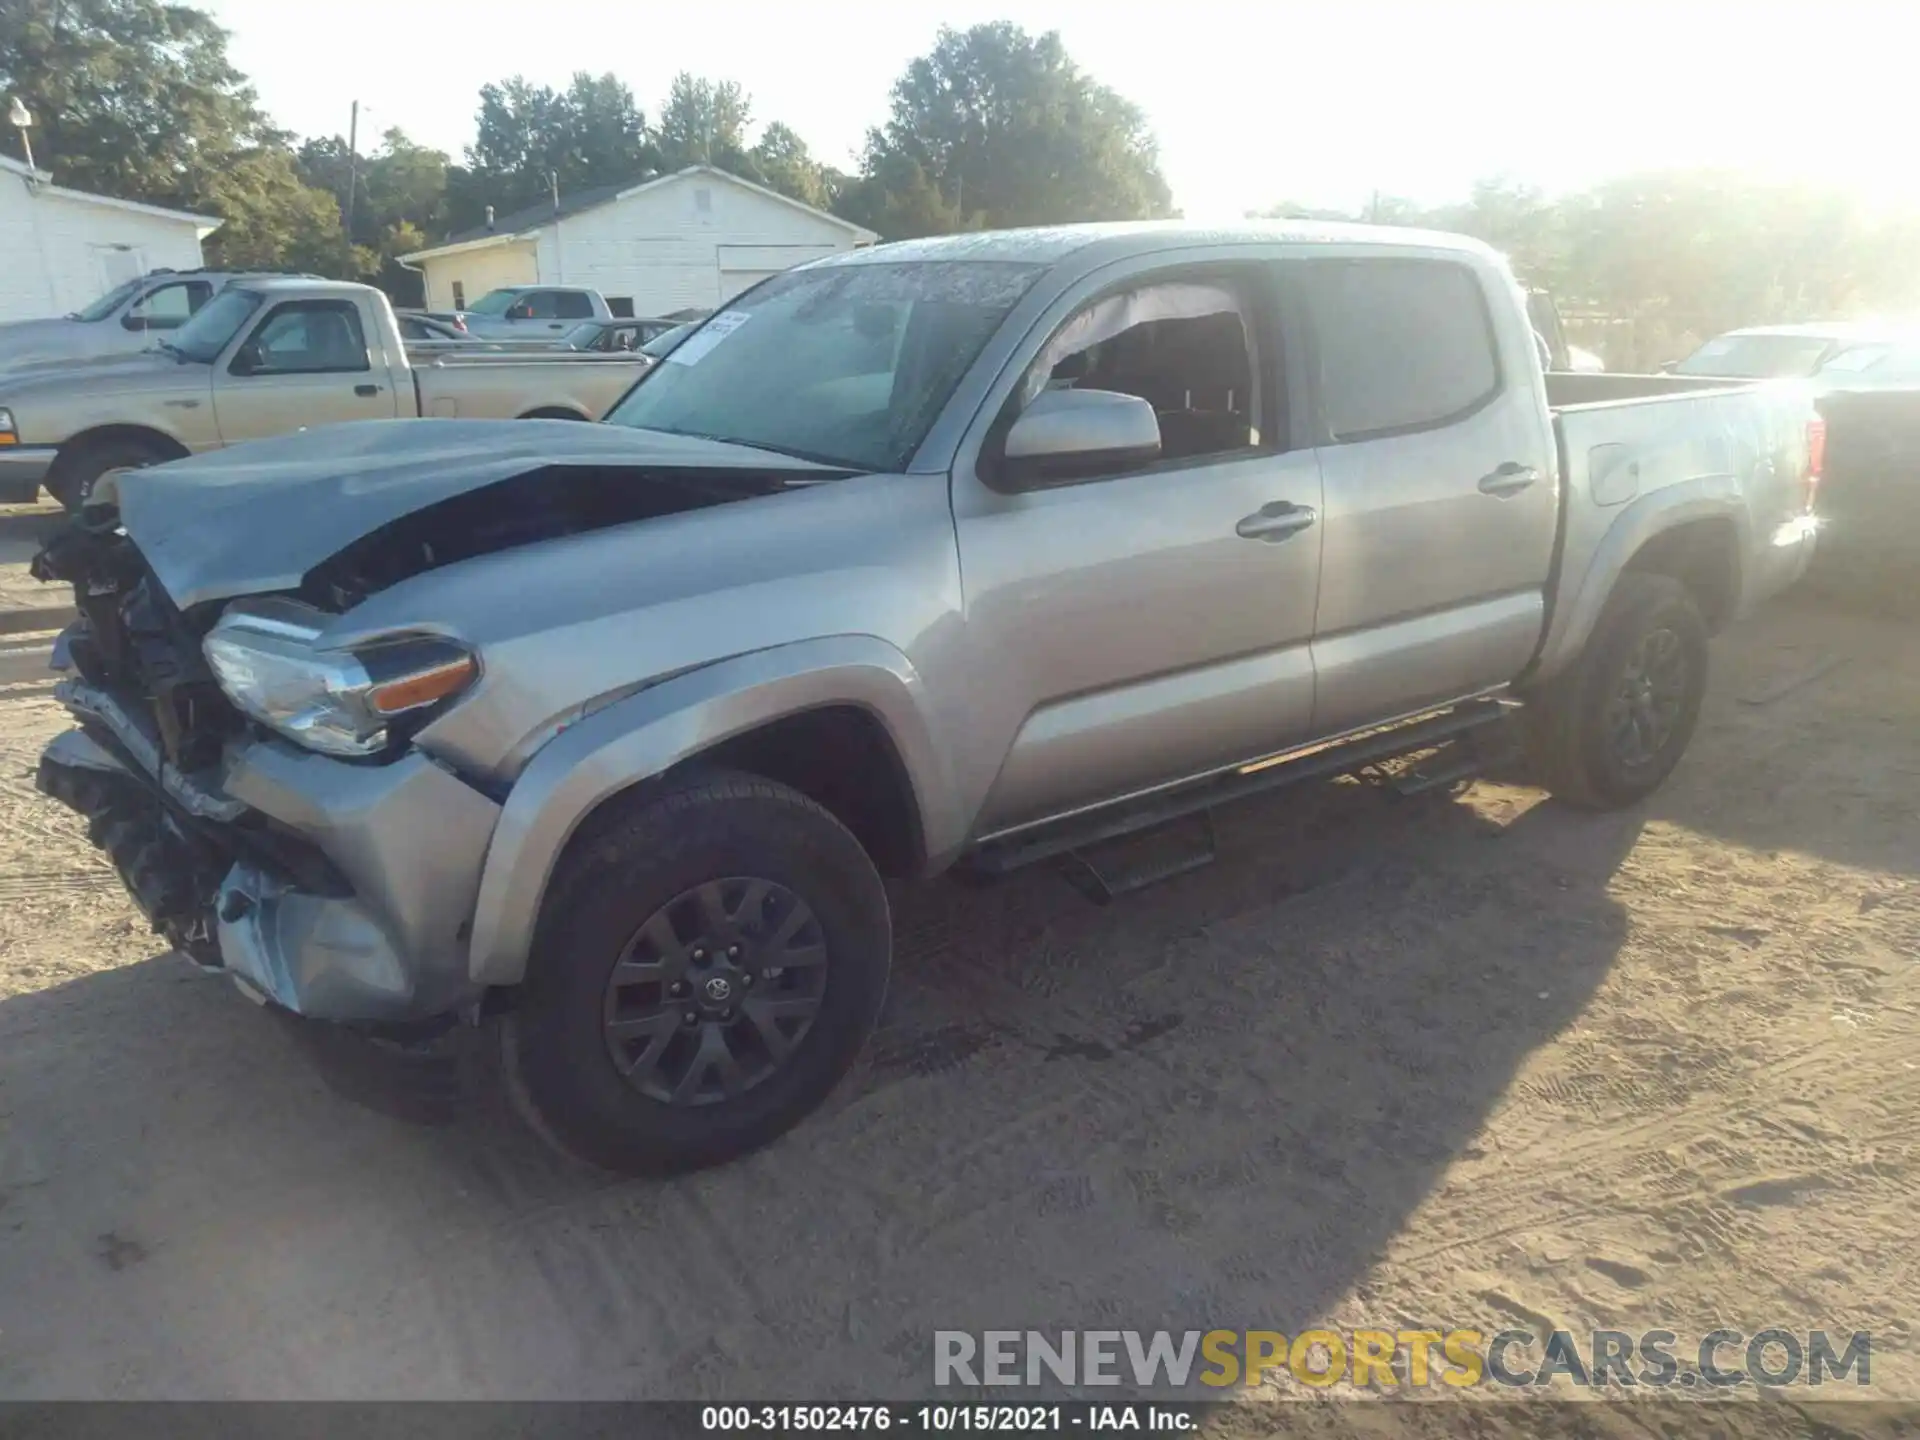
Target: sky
{"x": 1317, "y": 102}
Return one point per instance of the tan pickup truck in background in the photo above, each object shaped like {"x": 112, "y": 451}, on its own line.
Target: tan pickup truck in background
{"x": 267, "y": 357}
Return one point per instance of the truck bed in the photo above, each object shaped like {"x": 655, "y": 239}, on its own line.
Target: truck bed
{"x": 1625, "y": 438}
{"x": 1566, "y": 389}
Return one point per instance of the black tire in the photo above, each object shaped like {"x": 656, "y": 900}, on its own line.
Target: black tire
{"x": 1576, "y": 748}
{"x": 74, "y": 477}
{"x": 701, "y": 830}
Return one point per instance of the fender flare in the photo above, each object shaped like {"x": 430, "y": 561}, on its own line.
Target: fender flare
{"x": 647, "y": 733}
{"x": 1578, "y": 605}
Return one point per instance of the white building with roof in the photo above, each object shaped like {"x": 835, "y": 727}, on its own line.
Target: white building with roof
{"x": 691, "y": 240}
{"x": 60, "y": 249}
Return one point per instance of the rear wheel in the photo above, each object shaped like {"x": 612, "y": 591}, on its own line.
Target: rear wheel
{"x": 705, "y": 970}
{"x": 74, "y": 478}
{"x": 1609, "y": 731}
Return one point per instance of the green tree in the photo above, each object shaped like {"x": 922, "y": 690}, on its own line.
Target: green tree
{"x": 274, "y": 220}
{"x": 137, "y": 99}
{"x": 896, "y": 199}
{"x": 705, "y": 122}
{"x": 782, "y": 161}
{"x": 528, "y": 136}
{"x": 1004, "y": 126}
{"x": 400, "y": 199}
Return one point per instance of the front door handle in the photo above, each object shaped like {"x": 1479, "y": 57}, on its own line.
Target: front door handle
{"x": 1509, "y": 479}
{"x": 1276, "y": 521}
{"x": 366, "y": 389}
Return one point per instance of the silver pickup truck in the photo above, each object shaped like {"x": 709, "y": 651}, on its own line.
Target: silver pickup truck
{"x": 267, "y": 357}
{"x": 980, "y": 551}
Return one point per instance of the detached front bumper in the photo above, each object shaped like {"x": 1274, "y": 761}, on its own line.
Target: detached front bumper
{"x": 338, "y": 891}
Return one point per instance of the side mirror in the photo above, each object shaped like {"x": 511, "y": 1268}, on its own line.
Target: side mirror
{"x": 1068, "y": 435}
{"x": 246, "y": 360}
{"x": 135, "y": 322}
{"x": 1667, "y": 367}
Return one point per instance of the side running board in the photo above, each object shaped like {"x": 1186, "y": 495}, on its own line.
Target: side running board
{"x": 1074, "y": 836}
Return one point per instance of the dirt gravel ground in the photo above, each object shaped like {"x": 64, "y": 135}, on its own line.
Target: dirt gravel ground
{"x": 1466, "y": 1061}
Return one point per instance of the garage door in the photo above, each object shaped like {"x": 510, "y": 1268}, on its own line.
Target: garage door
{"x": 743, "y": 266}
{"x": 732, "y": 282}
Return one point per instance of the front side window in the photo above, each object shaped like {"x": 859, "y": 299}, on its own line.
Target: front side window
{"x": 169, "y": 307}
{"x": 1399, "y": 345}
{"x": 537, "y": 305}
{"x": 307, "y": 337}
{"x": 849, "y": 365}
{"x": 1184, "y": 346}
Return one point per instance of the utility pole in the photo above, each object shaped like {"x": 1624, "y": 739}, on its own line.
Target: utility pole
{"x": 353, "y": 170}
{"x": 559, "y": 254}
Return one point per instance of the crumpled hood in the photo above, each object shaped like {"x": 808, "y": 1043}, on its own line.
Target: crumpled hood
{"x": 256, "y": 518}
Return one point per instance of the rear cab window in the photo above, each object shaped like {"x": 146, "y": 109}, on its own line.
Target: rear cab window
{"x": 1399, "y": 344}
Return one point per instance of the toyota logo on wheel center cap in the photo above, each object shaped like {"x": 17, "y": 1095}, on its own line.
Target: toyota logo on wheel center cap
{"x": 718, "y": 989}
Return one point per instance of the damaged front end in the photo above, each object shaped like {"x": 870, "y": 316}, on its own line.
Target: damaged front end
{"x": 334, "y": 888}
{"x": 143, "y": 774}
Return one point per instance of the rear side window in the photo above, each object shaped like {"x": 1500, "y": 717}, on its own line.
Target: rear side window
{"x": 1400, "y": 345}
{"x": 571, "y": 305}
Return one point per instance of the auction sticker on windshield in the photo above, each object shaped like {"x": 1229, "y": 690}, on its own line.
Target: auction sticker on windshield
{"x": 693, "y": 349}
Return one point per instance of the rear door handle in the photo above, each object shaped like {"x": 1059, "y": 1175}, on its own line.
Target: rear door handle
{"x": 1509, "y": 479}
{"x": 1276, "y": 521}
{"x": 366, "y": 389}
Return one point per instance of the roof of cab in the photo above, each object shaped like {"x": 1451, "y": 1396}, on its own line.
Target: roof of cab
{"x": 305, "y": 284}
{"x": 1049, "y": 244}
{"x": 1827, "y": 330}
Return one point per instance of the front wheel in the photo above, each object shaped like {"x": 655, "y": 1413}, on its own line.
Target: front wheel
{"x": 75, "y": 478}
{"x": 704, "y": 972}
{"x": 1609, "y": 731}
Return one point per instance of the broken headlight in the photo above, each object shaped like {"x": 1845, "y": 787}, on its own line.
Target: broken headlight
{"x": 339, "y": 702}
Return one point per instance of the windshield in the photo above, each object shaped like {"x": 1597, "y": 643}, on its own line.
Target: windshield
{"x": 662, "y": 345}
{"x": 1879, "y": 365}
{"x": 848, "y": 365}
{"x": 494, "y": 302}
{"x": 204, "y": 336}
{"x": 1757, "y": 357}
{"x": 111, "y": 301}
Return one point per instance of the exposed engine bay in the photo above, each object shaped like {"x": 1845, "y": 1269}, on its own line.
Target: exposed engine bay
{"x": 155, "y": 726}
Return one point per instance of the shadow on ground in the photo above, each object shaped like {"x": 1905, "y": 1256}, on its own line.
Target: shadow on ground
{"x": 1212, "y": 1103}
{"x": 1810, "y": 740}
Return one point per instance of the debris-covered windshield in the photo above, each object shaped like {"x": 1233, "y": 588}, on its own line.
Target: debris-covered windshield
{"x": 848, "y": 365}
